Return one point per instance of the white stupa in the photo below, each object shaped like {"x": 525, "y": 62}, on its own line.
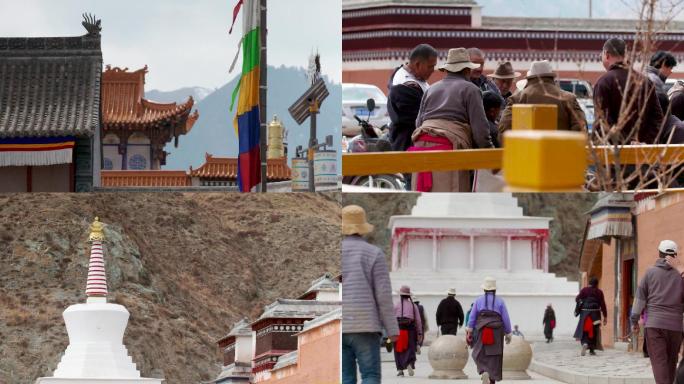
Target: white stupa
{"x": 96, "y": 353}
{"x": 456, "y": 240}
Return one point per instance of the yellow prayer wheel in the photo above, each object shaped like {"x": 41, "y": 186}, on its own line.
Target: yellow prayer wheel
{"x": 276, "y": 135}
{"x": 535, "y": 117}
{"x": 544, "y": 161}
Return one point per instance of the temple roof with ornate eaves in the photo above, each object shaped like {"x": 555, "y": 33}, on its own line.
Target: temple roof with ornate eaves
{"x": 125, "y": 108}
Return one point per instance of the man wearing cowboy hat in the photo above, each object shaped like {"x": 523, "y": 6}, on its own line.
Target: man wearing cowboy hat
{"x": 366, "y": 300}
{"x": 488, "y": 327}
{"x": 451, "y": 117}
{"x": 449, "y": 314}
{"x": 661, "y": 293}
{"x": 503, "y": 78}
{"x": 541, "y": 88}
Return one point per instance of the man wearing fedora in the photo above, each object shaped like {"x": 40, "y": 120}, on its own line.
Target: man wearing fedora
{"x": 503, "y": 78}
{"x": 366, "y": 300}
{"x": 488, "y": 327}
{"x": 541, "y": 88}
{"x": 451, "y": 117}
{"x": 449, "y": 314}
{"x": 661, "y": 293}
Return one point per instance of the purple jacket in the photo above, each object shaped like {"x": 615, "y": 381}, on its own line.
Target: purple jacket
{"x": 409, "y": 312}
{"x": 498, "y": 306}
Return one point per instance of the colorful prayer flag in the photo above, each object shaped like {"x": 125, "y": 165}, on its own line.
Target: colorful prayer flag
{"x": 248, "y": 118}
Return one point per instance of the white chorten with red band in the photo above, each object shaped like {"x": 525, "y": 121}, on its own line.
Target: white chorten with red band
{"x": 96, "y": 353}
{"x": 455, "y": 240}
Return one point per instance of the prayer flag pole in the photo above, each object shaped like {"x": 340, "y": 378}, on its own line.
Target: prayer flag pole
{"x": 263, "y": 93}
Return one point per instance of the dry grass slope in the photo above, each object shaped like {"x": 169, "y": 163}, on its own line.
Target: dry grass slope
{"x": 185, "y": 265}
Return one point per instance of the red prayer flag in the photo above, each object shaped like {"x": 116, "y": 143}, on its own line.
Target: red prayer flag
{"x": 236, "y": 10}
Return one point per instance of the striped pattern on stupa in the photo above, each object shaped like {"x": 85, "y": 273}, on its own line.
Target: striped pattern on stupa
{"x": 97, "y": 280}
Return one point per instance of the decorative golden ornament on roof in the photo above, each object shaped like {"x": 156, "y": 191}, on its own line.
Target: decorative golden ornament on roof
{"x": 96, "y": 233}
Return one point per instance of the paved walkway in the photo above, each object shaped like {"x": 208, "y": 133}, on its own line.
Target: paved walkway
{"x": 423, "y": 370}
{"x": 558, "y": 362}
{"x": 561, "y": 360}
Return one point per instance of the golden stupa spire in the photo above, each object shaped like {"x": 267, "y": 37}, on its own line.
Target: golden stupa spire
{"x": 96, "y": 233}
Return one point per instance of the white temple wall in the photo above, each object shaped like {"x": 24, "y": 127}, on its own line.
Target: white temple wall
{"x": 454, "y": 254}
{"x": 243, "y": 349}
{"x": 328, "y": 296}
{"x": 521, "y": 255}
{"x": 489, "y": 253}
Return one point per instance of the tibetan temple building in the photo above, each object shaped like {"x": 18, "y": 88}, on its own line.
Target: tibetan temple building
{"x": 289, "y": 342}
{"x": 222, "y": 171}
{"x": 136, "y": 130}
{"x": 378, "y": 35}
{"x": 215, "y": 172}
{"x": 50, "y": 112}
{"x": 620, "y": 243}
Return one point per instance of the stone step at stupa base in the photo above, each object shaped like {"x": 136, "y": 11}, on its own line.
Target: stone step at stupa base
{"x": 57, "y": 380}
{"x": 96, "y": 361}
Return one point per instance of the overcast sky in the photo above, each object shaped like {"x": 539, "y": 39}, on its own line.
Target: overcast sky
{"x": 185, "y": 43}
{"x": 613, "y": 9}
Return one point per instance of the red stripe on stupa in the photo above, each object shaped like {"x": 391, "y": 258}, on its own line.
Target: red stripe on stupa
{"x": 97, "y": 281}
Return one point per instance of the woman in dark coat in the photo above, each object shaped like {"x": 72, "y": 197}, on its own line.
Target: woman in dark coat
{"x": 549, "y": 322}
{"x": 590, "y": 307}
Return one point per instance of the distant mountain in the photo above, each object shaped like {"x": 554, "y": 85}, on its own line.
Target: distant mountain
{"x": 214, "y": 133}
{"x": 179, "y": 95}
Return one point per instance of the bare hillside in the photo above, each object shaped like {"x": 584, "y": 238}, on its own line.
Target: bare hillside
{"x": 185, "y": 265}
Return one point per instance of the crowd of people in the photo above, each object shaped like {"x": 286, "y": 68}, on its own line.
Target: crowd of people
{"x": 369, "y": 312}
{"x": 468, "y": 109}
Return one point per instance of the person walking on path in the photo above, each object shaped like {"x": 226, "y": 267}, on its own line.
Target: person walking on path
{"x": 661, "y": 293}
{"x": 451, "y": 117}
{"x": 549, "y": 322}
{"x": 590, "y": 306}
{"x": 488, "y": 327}
{"x": 517, "y": 332}
{"x": 423, "y": 319}
{"x": 410, "y": 332}
{"x": 449, "y": 314}
{"x": 366, "y": 300}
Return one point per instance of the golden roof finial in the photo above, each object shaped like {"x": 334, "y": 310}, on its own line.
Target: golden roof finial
{"x": 96, "y": 233}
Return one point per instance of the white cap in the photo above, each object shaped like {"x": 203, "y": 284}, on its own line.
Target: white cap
{"x": 668, "y": 247}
